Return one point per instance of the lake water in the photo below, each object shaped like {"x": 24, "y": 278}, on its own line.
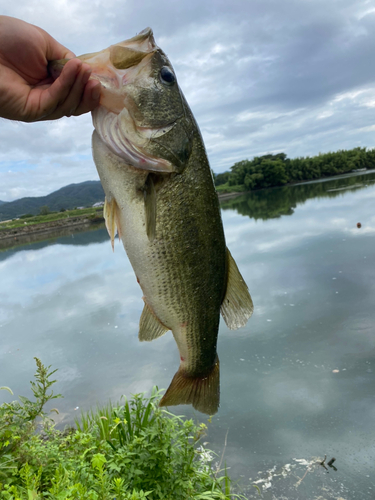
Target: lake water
{"x": 297, "y": 383}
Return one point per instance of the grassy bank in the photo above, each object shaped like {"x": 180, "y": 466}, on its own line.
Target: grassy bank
{"x": 131, "y": 451}
{"x": 91, "y": 213}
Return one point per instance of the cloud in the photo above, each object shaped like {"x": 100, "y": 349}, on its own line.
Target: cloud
{"x": 260, "y": 77}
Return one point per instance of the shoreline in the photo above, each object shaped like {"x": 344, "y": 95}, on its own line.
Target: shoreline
{"x": 65, "y": 226}
{"x": 38, "y": 232}
{"x": 228, "y": 194}
{"x": 22, "y": 234}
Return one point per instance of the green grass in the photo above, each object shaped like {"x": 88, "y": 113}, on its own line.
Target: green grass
{"x": 92, "y": 213}
{"x": 130, "y": 451}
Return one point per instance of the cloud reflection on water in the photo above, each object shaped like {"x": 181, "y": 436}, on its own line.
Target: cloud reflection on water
{"x": 78, "y": 308}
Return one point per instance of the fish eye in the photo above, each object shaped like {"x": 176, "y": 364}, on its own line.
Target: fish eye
{"x": 166, "y": 76}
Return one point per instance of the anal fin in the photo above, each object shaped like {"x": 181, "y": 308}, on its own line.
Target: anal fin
{"x": 237, "y": 306}
{"x": 110, "y": 214}
{"x": 150, "y": 327}
{"x": 201, "y": 392}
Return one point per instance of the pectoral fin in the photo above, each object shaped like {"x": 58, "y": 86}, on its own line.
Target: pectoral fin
{"x": 149, "y": 194}
{"x": 237, "y": 306}
{"x": 150, "y": 327}
{"x": 110, "y": 213}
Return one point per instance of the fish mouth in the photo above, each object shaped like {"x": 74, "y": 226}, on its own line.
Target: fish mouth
{"x": 116, "y": 67}
{"x": 122, "y": 56}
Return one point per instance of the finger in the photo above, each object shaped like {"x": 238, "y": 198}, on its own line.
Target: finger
{"x": 75, "y": 95}
{"x": 63, "y": 96}
{"x": 90, "y": 98}
{"x": 84, "y": 95}
{"x": 43, "y": 101}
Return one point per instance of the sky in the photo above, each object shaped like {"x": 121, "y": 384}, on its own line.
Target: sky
{"x": 261, "y": 76}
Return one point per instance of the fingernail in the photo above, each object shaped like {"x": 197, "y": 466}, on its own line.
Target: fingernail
{"x": 96, "y": 92}
{"x": 86, "y": 76}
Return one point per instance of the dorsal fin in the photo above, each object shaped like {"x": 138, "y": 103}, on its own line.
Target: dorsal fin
{"x": 237, "y": 306}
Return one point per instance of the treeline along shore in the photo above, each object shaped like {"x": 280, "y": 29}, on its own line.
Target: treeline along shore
{"x": 272, "y": 170}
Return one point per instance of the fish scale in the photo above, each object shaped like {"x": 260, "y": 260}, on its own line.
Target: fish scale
{"x": 196, "y": 266}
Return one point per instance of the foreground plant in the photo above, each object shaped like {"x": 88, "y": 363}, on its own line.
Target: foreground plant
{"x": 133, "y": 451}
{"x": 18, "y": 419}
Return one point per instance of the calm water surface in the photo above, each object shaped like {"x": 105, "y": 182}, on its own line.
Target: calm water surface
{"x": 297, "y": 383}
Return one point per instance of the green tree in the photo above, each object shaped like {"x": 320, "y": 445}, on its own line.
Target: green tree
{"x": 274, "y": 173}
{"x": 44, "y": 210}
{"x": 276, "y": 169}
{"x": 221, "y": 178}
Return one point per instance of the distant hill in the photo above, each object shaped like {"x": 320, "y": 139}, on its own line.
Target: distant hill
{"x": 1, "y": 202}
{"x": 84, "y": 194}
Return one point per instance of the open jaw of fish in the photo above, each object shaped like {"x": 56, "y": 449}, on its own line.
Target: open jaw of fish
{"x": 161, "y": 199}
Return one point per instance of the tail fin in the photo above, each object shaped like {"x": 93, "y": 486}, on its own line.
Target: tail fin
{"x": 202, "y": 392}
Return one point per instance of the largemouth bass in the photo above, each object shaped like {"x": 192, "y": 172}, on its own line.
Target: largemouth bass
{"x": 161, "y": 200}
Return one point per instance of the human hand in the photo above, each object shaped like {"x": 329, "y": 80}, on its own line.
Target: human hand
{"x": 27, "y": 92}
